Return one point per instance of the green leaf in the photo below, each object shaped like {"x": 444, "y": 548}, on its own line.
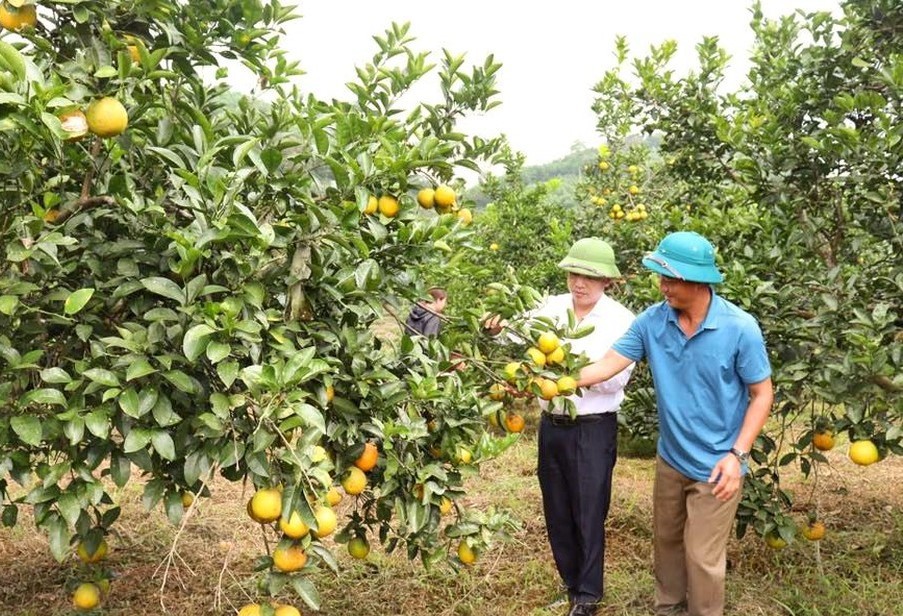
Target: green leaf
{"x": 165, "y": 287}
{"x": 102, "y": 376}
{"x": 105, "y": 72}
{"x": 181, "y": 380}
{"x": 55, "y": 375}
{"x": 138, "y": 439}
{"x": 195, "y": 341}
{"x": 138, "y": 368}
{"x": 77, "y": 300}
{"x": 163, "y": 444}
{"x": 58, "y": 536}
{"x": 12, "y": 60}
{"x": 98, "y": 423}
{"x": 128, "y": 402}
{"x": 8, "y": 304}
{"x": 27, "y": 428}
{"x": 311, "y": 416}
{"x": 228, "y": 372}
{"x": 305, "y": 589}
{"x": 217, "y": 351}
{"x": 45, "y": 396}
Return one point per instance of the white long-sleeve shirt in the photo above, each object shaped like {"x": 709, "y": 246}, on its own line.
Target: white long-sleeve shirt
{"x": 610, "y": 320}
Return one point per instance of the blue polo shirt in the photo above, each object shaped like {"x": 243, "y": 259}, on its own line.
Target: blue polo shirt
{"x": 701, "y": 382}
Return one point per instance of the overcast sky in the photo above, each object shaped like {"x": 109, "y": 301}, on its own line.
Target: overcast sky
{"x": 552, "y": 52}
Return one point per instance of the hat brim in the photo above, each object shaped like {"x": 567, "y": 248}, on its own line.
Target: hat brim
{"x": 593, "y": 270}
{"x": 691, "y": 273}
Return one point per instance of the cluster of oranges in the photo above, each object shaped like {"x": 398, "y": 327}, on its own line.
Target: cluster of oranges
{"x": 631, "y": 210}
{"x": 88, "y": 595}
{"x": 442, "y": 198}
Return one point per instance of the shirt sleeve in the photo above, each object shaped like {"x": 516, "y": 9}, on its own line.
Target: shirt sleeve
{"x": 632, "y": 344}
{"x": 752, "y": 359}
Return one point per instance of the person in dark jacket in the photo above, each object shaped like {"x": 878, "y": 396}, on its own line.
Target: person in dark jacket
{"x": 424, "y": 317}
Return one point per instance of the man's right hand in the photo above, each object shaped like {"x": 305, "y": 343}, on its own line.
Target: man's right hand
{"x": 493, "y": 323}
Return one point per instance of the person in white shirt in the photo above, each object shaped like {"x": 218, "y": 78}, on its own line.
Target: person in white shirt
{"x": 577, "y": 456}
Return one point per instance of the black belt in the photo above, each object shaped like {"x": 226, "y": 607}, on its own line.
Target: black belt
{"x": 565, "y": 420}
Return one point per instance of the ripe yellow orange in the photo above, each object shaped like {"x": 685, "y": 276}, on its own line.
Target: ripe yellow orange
{"x": 465, "y": 216}
{"x": 17, "y": 18}
{"x": 445, "y": 505}
{"x": 354, "y": 481}
{"x": 368, "y": 458}
{"x": 466, "y": 554}
{"x": 548, "y": 342}
{"x": 187, "y": 499}
{"x": 265, "y": 506}
{"x": 74, "y": 123}
{"x": 107, "y": 117}
{"x": 537, "y": 356}
{"x": 814, "y": 531}
{"x": 359, "y": 548}
{"x": 86, "y": 597}
{"x": 330, "y": 393}
{"x": 514, "y": 422}
{"x": 388, "y": 206}
{"x": 633, "y": 169}
{"x": 775, "y": 541}
{"x": 548, "y": 389}
{"x": 634, "y": 190}
{"x": 493, "y": 246}
{"x": 326, "y": 521}
{"x": 444, "y": 196}
{"x": 287, "y": 610}
{"x": 372, "y": 205}
{"x": 252, "y": 609}
{"x": 295, "y": 527}
{"x": 555, "y": 357}
{"x": 463, "y": 455}
{"x": 603, "y": 165}
{"x": 99, "y": 553}
{"x": 426, "y": 197}
{"x": 317, "y": 454}
{"x": 333, "y": 497}
{"x": 289, "y": 559}
{"x": 566, "y": 385}
{"x": 863, "y": 452}
{"x": 823, "y": 441}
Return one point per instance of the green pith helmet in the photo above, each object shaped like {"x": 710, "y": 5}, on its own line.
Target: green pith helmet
{"x": 591, "y": 257}
{"x": 685, "y": 255}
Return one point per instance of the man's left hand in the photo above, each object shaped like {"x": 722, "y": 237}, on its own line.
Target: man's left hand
{"x": 726, "y": 476}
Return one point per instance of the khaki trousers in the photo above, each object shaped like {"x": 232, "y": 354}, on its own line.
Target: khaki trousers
{"x": 691, "y": 528}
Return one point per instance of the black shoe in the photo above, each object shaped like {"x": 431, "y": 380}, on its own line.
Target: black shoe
{"x": 583, "y": 609}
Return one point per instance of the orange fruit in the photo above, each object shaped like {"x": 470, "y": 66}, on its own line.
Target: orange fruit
{"x": 426, "y": 197}
{"x": 265, "y": 506}
{"x": 372, "y": 205}
{"x": 107, "y": 117}
{"x": 252, "y": 609}
{"x": 367, "y": 460}
{"x": 496, "y": 391}
{"x": 354, "y": 481}
{"x": 330, "y": 393}
{"x": 13, "y": 18}
{"x": 388, "y": 206}
{"x": 547, "y": 387}
{"x": 566, "y": 385}
{"x": 863, "y": 452}
{"x": 511, "y": 370}
{"x": 537, "y": 356}
{"x": 493, "y": 246}
{"x": 295, "y": 527}
{"x": 333, "y": 497}
{"x": 547, "y": 342}
{"x": 465, "y": 216}
{"x": 326, "y": 521}
{"x": 444, "y": 196}
{"x": 823, "y": 441}
{"x": 292, "y": 558}
{"x": 514, "y": 422}
{"x": 466, "y": 554}
{"x": 463, "y": 455}
{"x": 775, "y": 541}
{"x": 814, "y": 531}
{"x": 86, "y": 597}
{"x": 359, "y": 548}
{"x": 555, "y": 357}
{"x": 187, "y": 499}
{"x": 100, "y": 552}
{"x": 445, "y": 505}
{"x": 287, "y": 610}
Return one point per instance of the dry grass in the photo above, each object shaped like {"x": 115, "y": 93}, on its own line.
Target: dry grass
{"x": 856, "y": 570}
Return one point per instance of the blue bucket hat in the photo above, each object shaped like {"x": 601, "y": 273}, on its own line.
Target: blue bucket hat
{"x": 685, "y": 255}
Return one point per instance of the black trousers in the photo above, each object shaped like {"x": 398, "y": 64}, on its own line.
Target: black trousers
{"x": 576, "y": 460}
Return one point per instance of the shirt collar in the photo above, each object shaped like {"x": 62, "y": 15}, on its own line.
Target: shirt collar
{"x": 712, "y": 318}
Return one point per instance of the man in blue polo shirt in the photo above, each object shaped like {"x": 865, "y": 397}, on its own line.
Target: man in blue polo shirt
{"x": 713, "y": 390}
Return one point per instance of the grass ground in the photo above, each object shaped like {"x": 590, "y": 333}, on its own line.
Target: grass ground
{"x": 857, "y": 570}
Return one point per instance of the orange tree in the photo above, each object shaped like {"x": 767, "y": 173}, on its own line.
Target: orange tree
{"x": 194, "y": 293}
{"x": 794, "y": 178}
